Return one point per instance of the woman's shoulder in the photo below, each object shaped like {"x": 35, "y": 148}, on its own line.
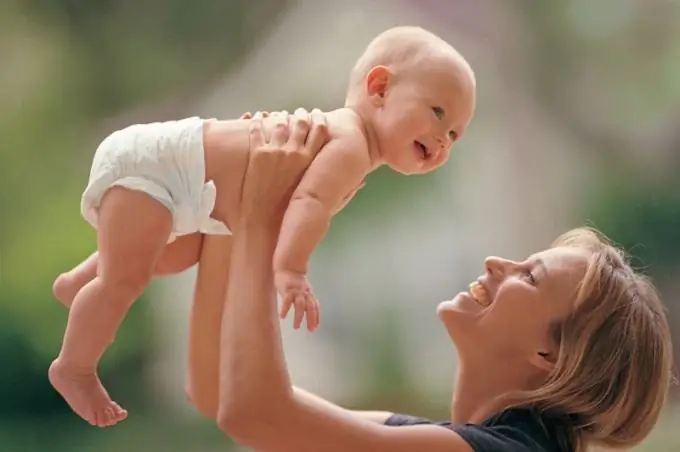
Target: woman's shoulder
{"x": 517, "y": 429}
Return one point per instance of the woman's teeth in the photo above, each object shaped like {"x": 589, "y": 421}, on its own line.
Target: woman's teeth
{"x": 480, "y": 294}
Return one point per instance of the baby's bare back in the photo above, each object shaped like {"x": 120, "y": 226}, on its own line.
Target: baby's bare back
{"x": 227, "y": 145}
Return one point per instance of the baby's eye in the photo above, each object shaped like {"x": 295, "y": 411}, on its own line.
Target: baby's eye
{"x": 438, "y": 112}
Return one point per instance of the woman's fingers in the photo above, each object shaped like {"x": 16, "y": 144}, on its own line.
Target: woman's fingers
{"x": 318, "y": 136}
{"x": 256, "y": 133}
{"x": 281, "y": 131}
{"x": 300, "y": 129}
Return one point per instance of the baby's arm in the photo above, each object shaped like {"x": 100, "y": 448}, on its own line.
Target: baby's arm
{"x": 336, "y": 172}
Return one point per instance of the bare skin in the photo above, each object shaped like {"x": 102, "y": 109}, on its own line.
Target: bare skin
{"x": 206, "y": 314}
{"x": 132, "y": 242}
{"x": 241, "y": 380}
{"x": 129, "y": 246}
{"x": 177, "y": 257}
{"x": 250, "y": 320}
{"x": 256, "y": 404}
{"x": 408, "y": 125}
{"x": 398, "y": 116}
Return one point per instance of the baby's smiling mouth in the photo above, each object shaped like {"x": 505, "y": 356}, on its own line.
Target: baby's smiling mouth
{"x": 424, "y": 152}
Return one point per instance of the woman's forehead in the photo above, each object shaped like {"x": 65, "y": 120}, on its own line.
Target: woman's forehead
{"x": 563, "y": 267}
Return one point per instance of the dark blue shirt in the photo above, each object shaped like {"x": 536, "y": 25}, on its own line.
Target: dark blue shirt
{"x": 513, "y": 430}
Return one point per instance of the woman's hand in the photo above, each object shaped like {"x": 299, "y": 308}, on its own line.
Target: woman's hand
{"x": 276, "y": 165}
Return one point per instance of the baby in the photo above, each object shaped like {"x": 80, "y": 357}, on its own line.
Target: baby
{"x": 155, "y": 188}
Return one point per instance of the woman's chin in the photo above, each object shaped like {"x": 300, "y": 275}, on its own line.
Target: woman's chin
{"x": 459, "y": 316}
{"x": 447, "y": 311}
{"x": 445, "y": 307}
{"x": 462, "y": 303}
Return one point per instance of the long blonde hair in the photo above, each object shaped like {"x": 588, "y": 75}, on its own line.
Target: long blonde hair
{"x": 615, "y": 358}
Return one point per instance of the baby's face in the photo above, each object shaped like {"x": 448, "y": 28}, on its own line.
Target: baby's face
{"x": 422, "y": 119}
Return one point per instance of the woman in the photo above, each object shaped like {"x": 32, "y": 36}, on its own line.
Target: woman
{"x": 566, "y": 349}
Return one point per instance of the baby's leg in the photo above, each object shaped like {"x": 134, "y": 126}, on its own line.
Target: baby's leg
{"x": 67, "y": 285}
{"x": 177, "y": 256}
{"x": 132, "y": 233}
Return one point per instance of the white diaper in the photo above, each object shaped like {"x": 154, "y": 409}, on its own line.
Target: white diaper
{"x": 164, "y": 160}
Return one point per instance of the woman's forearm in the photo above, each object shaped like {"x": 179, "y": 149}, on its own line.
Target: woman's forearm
{"x": 253, "y": 374}
{"x": 205, "y": 323}
{"x": 307, "y": 398}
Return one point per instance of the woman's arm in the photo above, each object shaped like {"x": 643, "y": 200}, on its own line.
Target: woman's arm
{"x": 204, "y": 335}
{"x": 307, "y": 398}
{"x": 205, "y": 323}
{"x": 258, "y": 406}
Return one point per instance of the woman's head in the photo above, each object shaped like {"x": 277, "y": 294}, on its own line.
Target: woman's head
{"x": 578, "y": 319}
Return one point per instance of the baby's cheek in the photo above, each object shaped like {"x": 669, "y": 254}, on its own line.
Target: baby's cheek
{"x": 443, "y": 158}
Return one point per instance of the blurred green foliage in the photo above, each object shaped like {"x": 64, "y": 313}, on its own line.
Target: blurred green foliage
{"x": 69, "y": 65}
{"x": 644, "y": 218}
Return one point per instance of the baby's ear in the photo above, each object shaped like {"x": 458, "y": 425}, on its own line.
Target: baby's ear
{"x": 377, "y": 83}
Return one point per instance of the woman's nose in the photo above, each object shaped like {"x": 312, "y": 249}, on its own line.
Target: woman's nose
{"x": 497, "y": 267}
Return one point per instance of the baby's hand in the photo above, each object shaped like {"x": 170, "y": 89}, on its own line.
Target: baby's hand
{"x": 295, "y": 290}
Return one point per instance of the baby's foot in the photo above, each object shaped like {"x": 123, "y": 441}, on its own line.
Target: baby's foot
{"x": 85, "y": 395}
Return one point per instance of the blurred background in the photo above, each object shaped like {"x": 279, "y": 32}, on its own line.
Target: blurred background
{"x": 579, "y": 104}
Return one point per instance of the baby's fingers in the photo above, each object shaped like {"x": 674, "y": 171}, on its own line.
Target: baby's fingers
{"x": 300, "y": 306}
{"x": 286, "y": 304}
{"x": 312, "y": 313}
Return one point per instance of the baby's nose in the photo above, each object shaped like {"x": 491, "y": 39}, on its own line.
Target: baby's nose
{"x": 443, "y": 142}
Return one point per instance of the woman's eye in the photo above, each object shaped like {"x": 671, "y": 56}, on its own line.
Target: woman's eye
{"x": 530, "y": 277}
{"x": 438, "y": 112}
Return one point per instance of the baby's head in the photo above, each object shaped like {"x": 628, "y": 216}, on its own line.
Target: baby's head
{"x": 417, "y": 92}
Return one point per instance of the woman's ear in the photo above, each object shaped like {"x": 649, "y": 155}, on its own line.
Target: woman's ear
{"x": 544, "y": 360}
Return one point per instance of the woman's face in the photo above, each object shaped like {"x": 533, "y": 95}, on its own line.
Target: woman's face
{"x": 509, "y": 311}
